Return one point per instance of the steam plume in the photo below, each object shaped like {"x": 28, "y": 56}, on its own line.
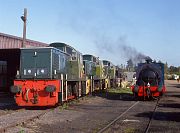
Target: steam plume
{"x": 119, "y": 49}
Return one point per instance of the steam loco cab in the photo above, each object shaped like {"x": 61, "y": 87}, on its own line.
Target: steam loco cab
{"x": 150, "y": 80}
{"x": 39, "y": 80}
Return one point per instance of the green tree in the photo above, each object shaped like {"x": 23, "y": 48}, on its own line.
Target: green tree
{"x": 173, "y": 70}
{"x": 130, "y": 66}
{"x": 166, "y": 68}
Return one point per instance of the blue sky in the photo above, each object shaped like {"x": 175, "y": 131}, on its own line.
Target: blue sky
{"x": 150, "y": 27}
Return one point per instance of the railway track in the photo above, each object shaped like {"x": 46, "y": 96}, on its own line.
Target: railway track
{"x": 152, "y": 116}
{"x": 117, "y": 118}
{"x": 125, "y": 112}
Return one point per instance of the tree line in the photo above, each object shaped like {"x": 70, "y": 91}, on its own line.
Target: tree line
{"x": 167, "y": 69}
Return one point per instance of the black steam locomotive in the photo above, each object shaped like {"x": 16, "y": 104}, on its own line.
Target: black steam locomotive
{"x": 150, "y": 80}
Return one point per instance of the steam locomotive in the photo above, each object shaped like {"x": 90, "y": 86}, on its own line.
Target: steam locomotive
{"x": 150, "y": 80}
{"x": 55, "y": 74}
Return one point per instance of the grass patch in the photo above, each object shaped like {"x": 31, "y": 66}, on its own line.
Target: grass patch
{"x": 120, "y": 90}
{"x": 64, "y": 106}
{"x": 129, "y": 130}
{"x": 21, "y": 131}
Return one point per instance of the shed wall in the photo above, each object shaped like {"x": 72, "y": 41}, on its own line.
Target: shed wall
{"x": 9, "y": 41}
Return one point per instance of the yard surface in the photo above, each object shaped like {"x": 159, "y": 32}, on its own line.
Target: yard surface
{"x": 92, "y": 113}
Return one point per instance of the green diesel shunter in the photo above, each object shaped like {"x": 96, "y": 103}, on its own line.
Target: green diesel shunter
{"x": 76, "y": 80}
{"x": 110, "y": 73}
{"x": 98, "y": 73}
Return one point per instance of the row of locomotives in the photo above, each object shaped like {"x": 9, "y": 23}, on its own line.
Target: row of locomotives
{"x": 50, "y": 75}
{"x": 40, "y": 78}
{"x": 55, "y": 74}
{"x": 150, "y": 80}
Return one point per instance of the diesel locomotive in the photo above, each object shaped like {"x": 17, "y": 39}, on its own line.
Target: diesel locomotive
{"x": 97, "y": 71}
{"x": 39, "y": 81}
{"x": 75, "y": 75}
{"x": 110, "y": 73}
{"x": 150, "y": 80}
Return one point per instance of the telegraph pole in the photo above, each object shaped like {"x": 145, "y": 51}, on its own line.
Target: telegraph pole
{"x": 24, "y": 19}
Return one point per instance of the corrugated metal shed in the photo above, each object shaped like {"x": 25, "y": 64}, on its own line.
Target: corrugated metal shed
{"x": 9, "y": 41}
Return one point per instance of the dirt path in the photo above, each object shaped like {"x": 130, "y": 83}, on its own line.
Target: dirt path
{"x": 89, "y": 115}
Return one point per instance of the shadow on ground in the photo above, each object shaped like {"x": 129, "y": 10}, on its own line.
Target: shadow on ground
{"x": 162, "y": 116}
{"x": 8, "y": 103}
{"x": 174, "y": 85}
{"x": 115, "y": 96}
{"x": 170, "y": 105}
{"x": 172, "y": 94}
{"x": 16, "y": 107}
